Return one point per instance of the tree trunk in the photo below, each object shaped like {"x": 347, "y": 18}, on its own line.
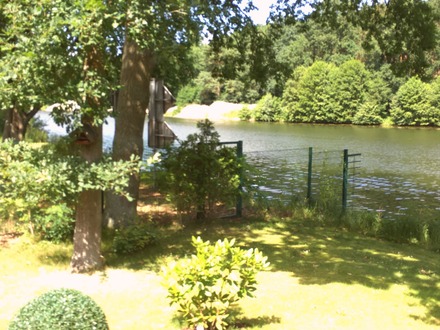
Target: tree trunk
{"x": 88, "y": 226}
{"x": 16, "y": 123}
{"x": 129, "y": 128}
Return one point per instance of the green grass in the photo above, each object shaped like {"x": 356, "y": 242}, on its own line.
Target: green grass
{"x": 320, "y": 278}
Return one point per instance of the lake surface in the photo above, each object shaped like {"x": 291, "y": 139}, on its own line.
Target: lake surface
{"x": 399, "y": 168}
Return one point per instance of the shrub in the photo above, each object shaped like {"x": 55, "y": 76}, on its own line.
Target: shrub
{"x": 61, "y": 309}
{"x": 412, "y": 106}
{"x": 199, "y": 174}
{"x": 206, "y": 286}
{"x": 55, "y": 223}
{"x": 368, "y": 114}
{"x": 268, "y": 109}
{"x": 134, "y": 238}
{"x": 39, "y": 188}
{"x": 245, "y": 114}
{"x": 188, "y": 94}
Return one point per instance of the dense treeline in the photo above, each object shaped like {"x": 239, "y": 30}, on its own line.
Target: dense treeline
{"x": 349, "y": 93}
{"x": 333, "y": 66}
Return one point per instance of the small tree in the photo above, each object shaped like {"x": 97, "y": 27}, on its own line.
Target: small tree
{"x": 412, "y": 105}
{"x": 199, "y": 174}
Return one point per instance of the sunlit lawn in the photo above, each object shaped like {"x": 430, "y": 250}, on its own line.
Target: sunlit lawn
{"x": 321, "y": 278}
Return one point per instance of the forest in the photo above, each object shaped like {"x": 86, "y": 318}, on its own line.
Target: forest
{"x": 379, "y": 65}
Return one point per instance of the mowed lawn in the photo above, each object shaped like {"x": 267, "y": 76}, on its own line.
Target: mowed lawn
{"x": 320, "y": 278}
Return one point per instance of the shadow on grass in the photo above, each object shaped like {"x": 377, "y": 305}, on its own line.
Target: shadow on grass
{"x": 245, "y": 322}
{"x": 316, "y": 255}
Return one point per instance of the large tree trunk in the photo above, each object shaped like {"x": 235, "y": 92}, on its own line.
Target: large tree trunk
{"x": 129, "y": 127}
{"x": 16, "y": 123}
{"x": 88, "y": 226}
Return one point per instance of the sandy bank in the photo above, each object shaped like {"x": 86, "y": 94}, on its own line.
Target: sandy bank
{"x": 216, "y": 111}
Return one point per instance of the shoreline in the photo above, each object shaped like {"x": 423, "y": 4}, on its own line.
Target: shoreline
{"x": 217, "y": 111}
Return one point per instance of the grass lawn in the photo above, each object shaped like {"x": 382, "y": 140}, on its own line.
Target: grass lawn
{"x": 321, "y": 278}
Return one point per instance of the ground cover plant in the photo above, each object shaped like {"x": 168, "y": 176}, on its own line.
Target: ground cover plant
{"x": 320, "y": 277}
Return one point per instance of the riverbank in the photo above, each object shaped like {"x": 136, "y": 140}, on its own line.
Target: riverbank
{"x": 216, "y": 111}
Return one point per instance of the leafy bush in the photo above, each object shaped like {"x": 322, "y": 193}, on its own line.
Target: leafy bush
{"x": 368, "y": 114}
{"x": 55, "y": 223}
{"x": 412, "y": 105}
{"x": 245, "y": 113}
{"x": 348, "y": 90}
{"x": 311, "y": 94}
{"x": 134, "y": 238}
{"x": 39, "y": 188}
{"x": 198, "y": 174}
{"x": 206, "y": 286}
{"x": 188, "y": 94}
{"x": 61, "y": 309}
{"x": 268, "y": 109}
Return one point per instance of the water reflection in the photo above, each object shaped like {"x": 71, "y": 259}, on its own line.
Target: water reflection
{"x": 400, "y": 167}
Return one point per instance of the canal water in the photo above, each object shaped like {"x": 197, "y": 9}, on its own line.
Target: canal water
{"x": 399, "y": 169}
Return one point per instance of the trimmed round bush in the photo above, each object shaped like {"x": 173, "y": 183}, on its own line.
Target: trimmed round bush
{"x": 60, "y": 309}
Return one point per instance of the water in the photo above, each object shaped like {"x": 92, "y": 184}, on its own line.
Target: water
{"x": 400, "y": 167}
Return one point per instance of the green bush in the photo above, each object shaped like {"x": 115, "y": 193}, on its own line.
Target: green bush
{"x": 188, "y": 94}
{"x": 412, "y": 105}
{"x": 206, "y": 286}
{"x": 60, "y": 309}
{"x": 268, "y": 109}
{"x": 134, "y": 238}
{"x": 245, "y": 113}
{"x": 55, "y": 223}
{"x": 39, "y": 187}
{"x": 199, "y": 173}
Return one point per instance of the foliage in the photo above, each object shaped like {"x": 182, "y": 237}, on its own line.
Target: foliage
{"x": 348, "y": 90}
{"x": 55, "y": 53}
{"x": 206, "y": 286}
{"x": 40, "y": 188}
{"x": 36, "y": 131}
{"x": 412, "y": 105}
{"x": 134, "y": 238}
{"x": 188, "y": 94}
{"x": 268, "y": 109}
{"x": 204, "y": 90}
{"x": 245, "y": 113}
{"x": 63, "y": 309}
{"x": 350, "y": 93}
{"x": 55, "y": 222}
{"x": 198, "y": 173}
{"x": 311, "y": 95}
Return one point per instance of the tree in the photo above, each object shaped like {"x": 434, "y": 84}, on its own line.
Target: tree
{"x": 311, "y": 95}
{"x": 349, "y": 84}
{"x": 156, "y": 34}
{"x": 29, "y": 58}
{"x": 412, "y": 104}
{"x": 64, "y": 53}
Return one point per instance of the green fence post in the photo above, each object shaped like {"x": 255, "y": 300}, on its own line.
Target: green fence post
{"x": 345, "y": 180}
{"x": 309, "y": 175}
{"x": 239, "y": 205}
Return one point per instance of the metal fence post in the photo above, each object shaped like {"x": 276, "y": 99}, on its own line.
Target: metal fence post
{"x": 309, "y": 175}
{"x": 239, "y": 205}
{"x": 345, "y": 180}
